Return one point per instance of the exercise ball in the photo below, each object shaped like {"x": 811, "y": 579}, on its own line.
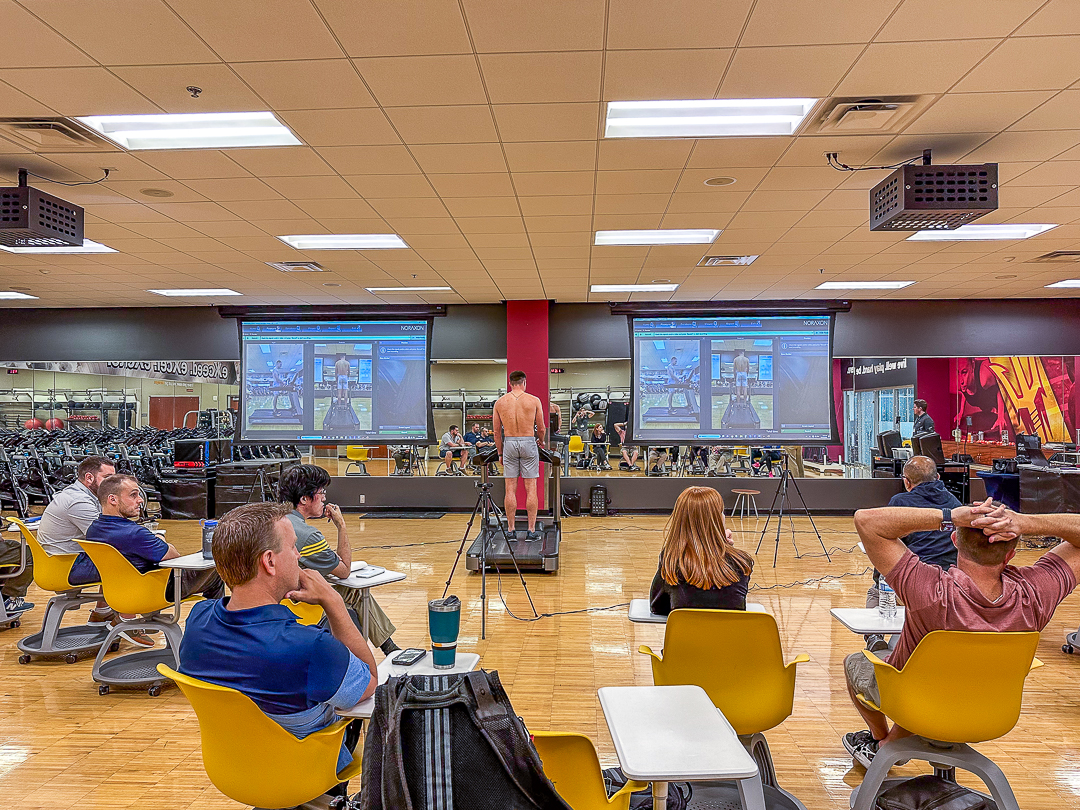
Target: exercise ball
{"x": 33, "y": 424}
{"x": 56, "y": 423}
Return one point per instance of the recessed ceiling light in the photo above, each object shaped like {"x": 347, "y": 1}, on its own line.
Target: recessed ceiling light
{"x": 195, "y": 293}
{"x": 16, "y": 296}
{"x": 331, "y": 284}
{"x": 193, "y": 130}
{"x": 863, "y": 285}
{"x": 720, "y": 181}
{"x": 968, "y": 233}
{"x": 156, "y": 192}
{"x": 706, "y": 118}
{"x": 612, "y": 288}
{"x": 406, "y": 289}
{"x": 668, "y": 236}
{"x": 1069, "y": 282}
{"x": 298, "y": 267}
{"x": 345, "y": 241}
{"x": 88, "y": 246}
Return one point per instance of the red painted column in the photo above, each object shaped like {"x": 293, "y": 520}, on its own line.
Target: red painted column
{"x": 932, "y": 384}
{"x": 527, "y": 350}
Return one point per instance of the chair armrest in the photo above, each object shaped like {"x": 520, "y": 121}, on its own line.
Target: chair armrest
{"x": 630, "y": 787}
{"x": 877, "y": 662}
{"x": 868, "y": 703}
{"x": 645, "y": 649}
{"x": 802, "y": 658}
{"x": 1035, "y": 664}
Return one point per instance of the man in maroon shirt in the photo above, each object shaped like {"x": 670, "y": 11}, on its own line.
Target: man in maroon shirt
{"x": 982, "y": 593}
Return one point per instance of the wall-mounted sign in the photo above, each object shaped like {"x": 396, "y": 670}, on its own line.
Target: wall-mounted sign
{"x": 226, "y": 373}
{"x": 867, "y": 373}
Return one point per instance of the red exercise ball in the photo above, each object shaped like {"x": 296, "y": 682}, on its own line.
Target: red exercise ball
{"x": 33, "y": 424}
{"x": 56, "y": 423}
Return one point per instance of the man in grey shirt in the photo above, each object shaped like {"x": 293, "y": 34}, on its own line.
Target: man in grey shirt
{"x": 304, "y": 487}
{"x": 451, "y": 446}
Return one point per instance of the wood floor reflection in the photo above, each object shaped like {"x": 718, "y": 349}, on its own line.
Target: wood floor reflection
{"x": 63, "y": 746}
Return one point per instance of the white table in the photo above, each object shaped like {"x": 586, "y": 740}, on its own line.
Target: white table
{"x": 867, "y": 621}
{"x": 674, "y": 734}
{"x": 463, "y": 662}
{"x": 189, "y": 562}
{"x": 641, "y": 612}
{"x": 364, "y": 585}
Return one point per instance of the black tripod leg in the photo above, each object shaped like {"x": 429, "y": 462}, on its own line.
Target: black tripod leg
{"x": 781, "y": 490}
{"x": 765, "y": 528}
{"x": 513, "y": 558}
{"x": 812, "y": 524}
{"x": 461, "y": 548}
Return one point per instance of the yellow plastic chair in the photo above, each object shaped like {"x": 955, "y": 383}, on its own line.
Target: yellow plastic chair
{"x": 53, "y": 641}
{"x": 357, "y": 456}
{"x": 128, "y": 591}
{"x": 10, "y": 571}
{"x": 956, "y": 688}
{"x": 736, "y": 657}
{"x": 253, "y": 760}
{"x": 575, "y": 448}
{"x": 305, "y": 614}
{"x": 571, "y": 763}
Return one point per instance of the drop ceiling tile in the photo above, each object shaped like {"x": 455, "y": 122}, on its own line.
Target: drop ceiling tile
{"x": 551, "y": 156}
{"x": 1052, "y": 173}
{"x": 513, "y": 78}
{"x": 539, "y": 184}
{"x": 801, "y": 201}
{"x": 127, "y": 213}
{"x": 368, "y": 159}
{"x": 483, "y": 241}
{"x": 1026, "y": 63}
{"x": 227, "y": 229}
{"x": 799, "y": 71}
{"x": 79, "y": 91}
{"x": 413, "y": 81}
{"x": 422, "y": 225}
{"x": 472, "y": 226}
{"x": 960, "y": 19}
{"x": 133, "y": 188}
{"x": 564, "y": 205}
{"x": 547, "y": 122}
{"x": 846, "y": 218}
{"x": 481, "y": 206}
{"x": 322, "y": 84}
{"x": 606, "y": 222}
{"x": 166, "y": 86}
{"x": 391, "y": 185}
{"x": 409, "y": 207}
{"x": 1060, "y": 112}
{"x": 282, "y": 29}
{"x": 561, "y": 238}
{"x": 558, "y": 223}
{"x": 695, "y": 220}
{"x": 377, "y": 28}
{"x": 463, "y": 158}
{"x": 350, "y": 209}
{"x": 495, "y": 184}
{"x": 766, "y": 219}
{"x": 726, "y": 153}
{"x": 518, "y": 25}
{"x": 504, "y": 254}
{"x": 1056, "y": 17}
{"x": 233, "y": 188}
{"x": 692, "y": 181}
{"x": 898, "y": 68}
{"x": 1022, "y": 146}
{"x": 440, "y": 125}
{"x": 200, "y": 164}
{"x": 654, "y": 181}
{"x": 28, "y": 42}
{"x": 778, "y": 22}
{"x": 288, "y": 161}
{"x": 631, "y": 203}
{"x": 449, "y": 257}
{"x": 163, "y": 230}
{"x": 979, "y": 112}
{"x": 682, "y": 24}
{"x": 15, "y": 103}
{"x": 326, "y": 187}
{"x": 360, "y": 127}
{"x": 264, "y": 209}
{"x": 717, "y": 202}
{"x": 668, "y": 74}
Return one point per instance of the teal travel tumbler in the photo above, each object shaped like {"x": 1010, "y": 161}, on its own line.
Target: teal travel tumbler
{"x": 444, "y": 619}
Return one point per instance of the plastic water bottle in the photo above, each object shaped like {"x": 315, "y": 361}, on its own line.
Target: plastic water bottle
{"x": 208, "y": 527}
{"x": 886, "y": 600}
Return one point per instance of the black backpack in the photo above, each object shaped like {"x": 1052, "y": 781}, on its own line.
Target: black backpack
{"x": 451, "y": 742}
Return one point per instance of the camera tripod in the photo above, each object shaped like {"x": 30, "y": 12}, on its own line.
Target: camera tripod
{"x": 781, "y": 494}
{"x": 487, "y": 508}
{"x": 266, "y": 490}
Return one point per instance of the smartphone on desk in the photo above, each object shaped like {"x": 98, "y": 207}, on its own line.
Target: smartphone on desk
{"x": 370, "y": 571}
{"x": 406, "y": 658}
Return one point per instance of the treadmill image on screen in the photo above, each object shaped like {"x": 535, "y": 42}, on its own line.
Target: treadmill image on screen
{"x": 669, "y": 384}
{"x": 274, "y": 386}
{"x": 742, "y": 384}
{"x": 342, "y": 388}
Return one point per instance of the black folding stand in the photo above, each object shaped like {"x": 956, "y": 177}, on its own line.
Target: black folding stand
{"x": 781, "y": 494}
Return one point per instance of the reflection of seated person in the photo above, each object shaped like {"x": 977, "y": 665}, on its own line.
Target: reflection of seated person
{"x": 629, "y": 455}
{"x": 598, "y": 445}
{"x": 402, "y": 455}
{"x": 699, "y": 564}
{"x": 485, "y": 441}
{"x": 304, "y": 488}
{"x": 451, "y": 446}
{"x": 658, "y": 459}
{"x": 121, "y": 504}
{"x": 250, "y": 642}
{"x": 766, "y": 456}
{"x": 720, "y": 459}
{"x": 341, "y": 373}
{"x": 285, "y": 383}
{"x": 699, "y": 456}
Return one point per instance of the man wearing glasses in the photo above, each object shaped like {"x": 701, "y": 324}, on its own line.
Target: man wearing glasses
{"x": 923, "y": 490}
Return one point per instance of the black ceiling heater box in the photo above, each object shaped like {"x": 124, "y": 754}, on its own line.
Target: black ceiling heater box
{"x": 933, "y": 198}
{"x": 32, "y": 218}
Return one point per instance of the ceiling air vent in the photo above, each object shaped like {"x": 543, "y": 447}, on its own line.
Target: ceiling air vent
{"x": 298, "y": 267}
{"x": 865, "y": 116}
{"x": 1057, "y": 257}
{"x": 53, "y": 134}
{"x": 719, "y": 261}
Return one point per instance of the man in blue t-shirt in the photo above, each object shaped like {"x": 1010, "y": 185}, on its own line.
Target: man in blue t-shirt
{"x": 923, "y": 490}
{"x": 121, "y": 504}
{"x": 249, "y": 641}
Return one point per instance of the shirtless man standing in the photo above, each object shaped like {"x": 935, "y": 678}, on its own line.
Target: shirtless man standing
{"x": 520, "y": 417}
{"x": 341, "y": 372}
{"x": 742, "y": 376}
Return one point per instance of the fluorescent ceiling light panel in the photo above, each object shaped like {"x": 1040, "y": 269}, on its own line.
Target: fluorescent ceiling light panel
{"x": 15, "y": 296}
{"x": 708, "y": 118}
{"x": 614, "y": 288}
{"x": 345, "y": 241}
{"x": 407, "y": 289}
{"x": 1067, "y": 283}
{"x": 195, "y": 293}
{"x": 863, "y": 285}
{"x": 972, "y": 233}
{"x": 193, "y": 130}
{"x": 88, "y": 246}
{"x": 669, "y": 236}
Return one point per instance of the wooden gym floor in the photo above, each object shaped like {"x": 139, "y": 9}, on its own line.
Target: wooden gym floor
{"x": 63, "y": 746}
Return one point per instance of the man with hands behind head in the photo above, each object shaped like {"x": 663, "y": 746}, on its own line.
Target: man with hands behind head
{"x": 982, "y": 593}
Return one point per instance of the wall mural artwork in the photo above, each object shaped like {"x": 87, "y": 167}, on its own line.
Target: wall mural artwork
{"x": 1016, "y": 394}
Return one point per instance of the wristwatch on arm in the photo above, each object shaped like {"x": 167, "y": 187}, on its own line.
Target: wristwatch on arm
{"x": 946, "y": 520}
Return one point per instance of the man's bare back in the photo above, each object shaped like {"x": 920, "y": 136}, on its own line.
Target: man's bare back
{"x": 741, "y": 363}
{"x": 519, "y": 413}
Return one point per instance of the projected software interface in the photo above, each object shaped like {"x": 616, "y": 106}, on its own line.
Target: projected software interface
{"x": 731, "y": 379}
{"x": 335, "y": 379}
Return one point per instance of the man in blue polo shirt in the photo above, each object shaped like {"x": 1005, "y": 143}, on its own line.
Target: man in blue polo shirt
{"x": 249, "y": 641}
{"x": 121, "y": 504}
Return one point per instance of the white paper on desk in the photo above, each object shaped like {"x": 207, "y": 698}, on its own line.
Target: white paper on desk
{"x": 370, "y": 571}
{"x": 359, "y": 565}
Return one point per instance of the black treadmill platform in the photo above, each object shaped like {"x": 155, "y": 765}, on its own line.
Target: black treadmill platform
{"x": 531, "y": 555}
{"x": 740, "y": 414}
{"x": 677, "y": 414}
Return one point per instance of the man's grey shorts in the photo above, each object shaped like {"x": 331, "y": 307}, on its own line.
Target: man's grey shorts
{"x": 521, "y": 457}
{"x": 860, "y": 674}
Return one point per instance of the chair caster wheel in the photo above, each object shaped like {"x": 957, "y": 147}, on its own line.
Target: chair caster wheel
{"x": 71, "y": 658}
{"x": 103, "y": 689}
{"x": 154, "y": 691}
{"x": 1067, "y": 649}
{"x": 114, "y": 646}
{"x": 24, "y": 659}
{"x": 15, "y": 624}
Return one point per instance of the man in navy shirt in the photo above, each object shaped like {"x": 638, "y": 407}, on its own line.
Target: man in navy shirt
{"x": 121, "y": 502}
{"x": 923, "y": 490}
{"x": 249, "y": 641}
